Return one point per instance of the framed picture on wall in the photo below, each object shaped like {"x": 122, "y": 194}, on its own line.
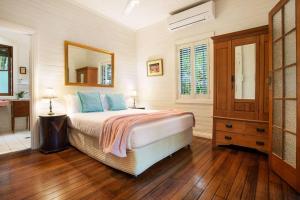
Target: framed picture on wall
{"x": 155, "y": 67}
{"x": 23, "y": 70}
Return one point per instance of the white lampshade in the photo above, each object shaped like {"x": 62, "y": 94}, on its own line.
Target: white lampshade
{"x": 49, "y": 93}
{"x": 133, "y": 93}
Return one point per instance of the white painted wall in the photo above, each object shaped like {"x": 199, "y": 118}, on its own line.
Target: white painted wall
{"x": 157, "y": 41}
{"x": 56, "y": 21}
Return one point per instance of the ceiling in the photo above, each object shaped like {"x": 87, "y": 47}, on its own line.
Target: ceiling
{"x": 146, "y": 13}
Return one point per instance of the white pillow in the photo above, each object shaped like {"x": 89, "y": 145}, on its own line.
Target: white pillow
{"x": 104, "y": 102}
{"x": 72, "y": 103}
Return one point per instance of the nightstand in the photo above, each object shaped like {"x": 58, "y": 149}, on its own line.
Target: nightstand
{"x": 141, "y": 108}
{"x": 53, "y": 133}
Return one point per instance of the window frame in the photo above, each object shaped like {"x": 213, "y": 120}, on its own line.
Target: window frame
{"x": 10, "y": 71}
{"x": 194, "y": 98}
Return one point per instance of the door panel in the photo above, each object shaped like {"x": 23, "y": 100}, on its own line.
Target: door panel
{"x": 284, "y": 70}
{"x": 289, "y": 16}
{"x": 290, "y": 82}
{"x": 277, "y": 142}
{"x": 222, "y": 63}
{"x": 290, "y": 48}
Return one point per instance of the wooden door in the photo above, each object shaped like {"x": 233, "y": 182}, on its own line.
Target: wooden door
{"x": 264, "y": 78}
{"x": 222, "y": 86}
{"x": 284, "y": 93}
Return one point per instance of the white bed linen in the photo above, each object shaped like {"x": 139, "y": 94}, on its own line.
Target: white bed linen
{"x": 140, "y": 135}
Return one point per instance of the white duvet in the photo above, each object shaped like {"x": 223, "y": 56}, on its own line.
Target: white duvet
{"x": 140, "y": 135}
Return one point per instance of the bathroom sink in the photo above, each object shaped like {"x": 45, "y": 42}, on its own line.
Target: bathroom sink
{"x": 4, "y": 103}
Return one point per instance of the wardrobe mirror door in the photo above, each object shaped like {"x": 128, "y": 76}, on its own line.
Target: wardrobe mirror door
{"x": 245, "y": 64}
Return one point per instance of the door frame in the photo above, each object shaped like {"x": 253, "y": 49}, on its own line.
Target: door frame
{"x": 33, "y": 86}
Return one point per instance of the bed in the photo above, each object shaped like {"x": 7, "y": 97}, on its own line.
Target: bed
{"x": 147, "y": 143}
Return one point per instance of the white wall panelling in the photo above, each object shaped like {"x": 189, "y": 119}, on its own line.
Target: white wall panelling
{"x": 157, "y": 42}
{"x": 56, "y": 21}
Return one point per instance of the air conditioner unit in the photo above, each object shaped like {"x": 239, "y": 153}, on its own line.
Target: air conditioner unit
{"x": 202, "y": 13}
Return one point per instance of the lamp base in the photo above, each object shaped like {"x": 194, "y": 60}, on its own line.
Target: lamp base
{"x": 50, "y": 108}
{"x": 51, "y": 113}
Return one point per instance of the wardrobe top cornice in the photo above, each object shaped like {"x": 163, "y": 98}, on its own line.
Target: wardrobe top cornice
{"x": 239, "y": 34}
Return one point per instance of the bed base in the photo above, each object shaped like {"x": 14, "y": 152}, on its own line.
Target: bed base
{"x": 137, "y": 160}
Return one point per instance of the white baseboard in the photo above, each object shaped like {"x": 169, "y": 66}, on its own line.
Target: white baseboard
{"x": 202, "y": 134}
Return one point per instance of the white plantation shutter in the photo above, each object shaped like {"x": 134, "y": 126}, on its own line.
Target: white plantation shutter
{"x": 193, "y": 70}
{"x": 201, "y": 69}
{"x": 185, "y": 71}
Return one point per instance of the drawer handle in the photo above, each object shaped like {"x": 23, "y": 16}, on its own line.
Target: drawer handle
{"x": 228, "y": 125}
{"x": 228, "y": 138}
{"x": 259, "y": 143}
{"x": 261, "y": 130}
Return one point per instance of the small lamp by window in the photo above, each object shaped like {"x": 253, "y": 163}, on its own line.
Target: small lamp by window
{"x": 50, "y": 94}
{"x": 133, "y": 94}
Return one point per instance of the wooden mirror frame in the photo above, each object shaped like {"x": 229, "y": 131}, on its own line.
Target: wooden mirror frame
{"x": 67, "y": 82}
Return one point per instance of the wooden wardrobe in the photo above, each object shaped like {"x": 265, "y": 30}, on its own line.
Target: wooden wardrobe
{"x": 241, "y": 89}
{"x": 284, "y": 21}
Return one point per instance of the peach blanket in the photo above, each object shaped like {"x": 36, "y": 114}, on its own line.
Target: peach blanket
{"x": 116, "y": 129}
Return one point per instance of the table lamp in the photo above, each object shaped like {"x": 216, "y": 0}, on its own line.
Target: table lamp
{"x": 50, "y": 94}
{"x": 133, "y": 94}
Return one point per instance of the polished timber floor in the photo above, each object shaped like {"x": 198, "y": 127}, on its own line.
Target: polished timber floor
{"x": 196, "y": 173}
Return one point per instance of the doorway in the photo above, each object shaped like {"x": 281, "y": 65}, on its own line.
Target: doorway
{"x": 15, "y": 93}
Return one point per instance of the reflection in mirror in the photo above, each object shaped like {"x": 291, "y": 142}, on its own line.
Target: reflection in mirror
{"x": 88, "y": 66}
{"x": 245, "y": 64}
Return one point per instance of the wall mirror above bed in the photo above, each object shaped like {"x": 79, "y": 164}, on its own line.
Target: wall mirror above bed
{"x": 88, "y": 66}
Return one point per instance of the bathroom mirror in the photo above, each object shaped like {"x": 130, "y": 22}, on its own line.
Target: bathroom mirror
{"x": 88, "y": 66}
{"x": 245, "y": 65}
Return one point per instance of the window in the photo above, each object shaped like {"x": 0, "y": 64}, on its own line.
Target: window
{"x": 193, "y": 67}
{"x": 6, "y": 88}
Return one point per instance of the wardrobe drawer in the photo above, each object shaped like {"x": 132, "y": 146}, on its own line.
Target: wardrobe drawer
{"x": 257, "y": 142}
{"x": 225, "y": 138}
{"x": 257, "y": 128}
{"x": 230, "y": 125}
{"x": 242, "y": 127}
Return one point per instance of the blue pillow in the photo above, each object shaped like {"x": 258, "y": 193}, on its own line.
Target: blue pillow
{"x": 116, "y": 102}
{"x": 90, "y": 102}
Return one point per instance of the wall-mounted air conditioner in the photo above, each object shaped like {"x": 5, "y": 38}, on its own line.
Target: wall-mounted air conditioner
{"x": 201, "y": 13}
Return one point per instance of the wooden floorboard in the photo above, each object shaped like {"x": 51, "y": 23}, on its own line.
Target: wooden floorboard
{"x": 196, "y": 173}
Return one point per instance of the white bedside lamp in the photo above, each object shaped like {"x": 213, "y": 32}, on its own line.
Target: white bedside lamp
{"x": 133, "y": 94}
{"x": 50, "y": 94}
